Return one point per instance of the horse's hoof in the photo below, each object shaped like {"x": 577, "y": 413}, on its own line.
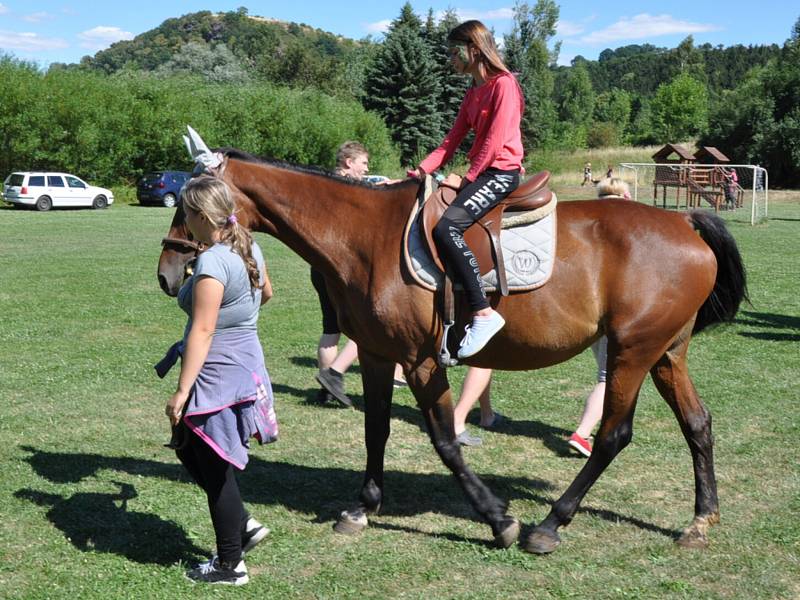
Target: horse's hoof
{"x": 541, "y": 542}
{"x": 509, "y": 535}
{"x": 696, "y": 535}
{"x": 351, "y": 523}
{"x": 693, "y": 539}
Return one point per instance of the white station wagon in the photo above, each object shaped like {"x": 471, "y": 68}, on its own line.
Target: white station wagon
{"x": 47, "y": 190}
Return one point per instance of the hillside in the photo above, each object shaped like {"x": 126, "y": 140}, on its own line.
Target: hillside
{"x": 265, "y": 48}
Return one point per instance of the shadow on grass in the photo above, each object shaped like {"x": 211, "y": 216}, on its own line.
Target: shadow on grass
{"x": 320, "y": 492}
{"x": 554, "y": 438}
{"x": 768, "y": 322}
{"x": 95, "y": 522}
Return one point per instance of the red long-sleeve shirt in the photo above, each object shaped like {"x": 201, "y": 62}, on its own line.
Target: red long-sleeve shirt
{"x": 493, "y": 110}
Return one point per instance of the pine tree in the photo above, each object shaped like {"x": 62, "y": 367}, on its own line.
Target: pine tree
{"x": 451, "y": 86}
{"x": 401, "y": 85}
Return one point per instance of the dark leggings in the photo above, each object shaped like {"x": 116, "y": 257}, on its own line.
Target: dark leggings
{"x": 330, "y": 323}
{"x": 472, "y": 202}
{"x": 216, "y": 477}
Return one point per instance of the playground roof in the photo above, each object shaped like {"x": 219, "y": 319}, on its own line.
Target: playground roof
{"x": 669, "y": 149}
{"x": 715, "y": 155}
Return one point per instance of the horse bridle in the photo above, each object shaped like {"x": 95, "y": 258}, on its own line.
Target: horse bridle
{"x": 198, "y": 247}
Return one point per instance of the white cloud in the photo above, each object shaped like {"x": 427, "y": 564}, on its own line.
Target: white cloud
{"x": 29, "y": 42}
{"x": 3, "y": 9}
{"x": 378, "y": 26}
{"x": 38, "y": 17}
{"x": 642, "y": 26}
{"x": 569, "y": 28}
{"x": 102, "y": 36}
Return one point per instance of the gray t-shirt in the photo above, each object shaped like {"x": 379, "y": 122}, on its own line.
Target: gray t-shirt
{"x": 240, "y": 302}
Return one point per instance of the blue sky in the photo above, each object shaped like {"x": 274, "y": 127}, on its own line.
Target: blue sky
{"x": 65, "y": 30}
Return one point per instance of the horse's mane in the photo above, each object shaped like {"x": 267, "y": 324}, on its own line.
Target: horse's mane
{"x": 237, "y": 154}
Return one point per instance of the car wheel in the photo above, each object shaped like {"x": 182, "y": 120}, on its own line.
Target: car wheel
{"x": 169, "y": 200}
{"x": 44, "y": 203}
{"x": 99, "y": 202}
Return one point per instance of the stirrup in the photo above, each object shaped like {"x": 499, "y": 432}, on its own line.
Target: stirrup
{"x": 444, "y": 358}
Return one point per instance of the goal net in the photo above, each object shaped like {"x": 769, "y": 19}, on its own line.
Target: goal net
{"x": 741, "y": 189}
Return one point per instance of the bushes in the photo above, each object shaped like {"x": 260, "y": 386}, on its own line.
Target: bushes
{"x": 111, "y": 129}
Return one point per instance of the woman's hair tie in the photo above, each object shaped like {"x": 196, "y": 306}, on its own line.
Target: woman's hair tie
{"x": 232, "y": 219}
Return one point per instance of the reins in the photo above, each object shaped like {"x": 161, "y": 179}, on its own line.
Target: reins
{"x": 192, "y": 245}
{"x": 198, "y": 247}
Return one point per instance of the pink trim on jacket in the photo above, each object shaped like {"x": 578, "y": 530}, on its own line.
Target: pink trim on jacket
{"x": 494, "y": 111}
{"x": 220, "y": 452}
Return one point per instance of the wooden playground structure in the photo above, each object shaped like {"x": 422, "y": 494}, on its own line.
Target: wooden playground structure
{"x": 701, "y": 176}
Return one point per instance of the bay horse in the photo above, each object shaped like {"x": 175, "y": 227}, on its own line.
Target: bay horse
{"x": 646, "y": 278}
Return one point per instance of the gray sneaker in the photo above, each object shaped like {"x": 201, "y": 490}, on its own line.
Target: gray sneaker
{"x": 465, "y": 439}
{"x": 333, "y": 381}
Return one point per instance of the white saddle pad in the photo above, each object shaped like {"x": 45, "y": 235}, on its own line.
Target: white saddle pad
{"x": 529, "y": 252}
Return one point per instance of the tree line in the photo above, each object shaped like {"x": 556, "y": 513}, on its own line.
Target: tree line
{"x": 113, "y": 128}
{"x": 637, "y": 94}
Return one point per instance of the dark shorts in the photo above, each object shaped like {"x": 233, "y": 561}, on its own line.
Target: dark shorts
{"x": 330, "y": 324}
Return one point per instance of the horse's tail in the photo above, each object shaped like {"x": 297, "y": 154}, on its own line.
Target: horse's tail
{"x": 730, "y": 288}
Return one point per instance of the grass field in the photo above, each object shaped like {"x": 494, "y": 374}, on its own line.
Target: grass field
{"x": 93, "y": 506}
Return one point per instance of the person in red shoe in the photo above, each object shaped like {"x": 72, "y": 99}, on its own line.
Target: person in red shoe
{"x": 593, "y": 407}
{"x": 610, "y": 188}
{"x": 492, "y": 108}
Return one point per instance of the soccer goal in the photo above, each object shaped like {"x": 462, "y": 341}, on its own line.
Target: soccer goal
{"x": 740, "y": 188}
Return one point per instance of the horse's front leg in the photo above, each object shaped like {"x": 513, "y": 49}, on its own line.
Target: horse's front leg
{"x": 377, "y": 377}
{"x": 432, "y": 391}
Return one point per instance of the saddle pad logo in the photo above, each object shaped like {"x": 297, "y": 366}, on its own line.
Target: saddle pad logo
{"x": 525, "y": 262}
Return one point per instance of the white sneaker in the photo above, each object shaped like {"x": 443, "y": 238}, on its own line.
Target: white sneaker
{"x": 479, "y": 333}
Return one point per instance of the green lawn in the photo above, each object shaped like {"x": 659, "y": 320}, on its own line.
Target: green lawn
{"x": 93, "y": 506}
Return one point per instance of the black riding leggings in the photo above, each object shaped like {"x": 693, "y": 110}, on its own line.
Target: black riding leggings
{"x": 216, "y": 477}
{"x": 473, "y": 201}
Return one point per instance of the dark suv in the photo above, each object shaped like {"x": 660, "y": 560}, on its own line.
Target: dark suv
{"x": 161, "y": 187}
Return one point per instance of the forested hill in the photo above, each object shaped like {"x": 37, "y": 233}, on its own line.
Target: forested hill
{"x": 234, "y": 41}
{"x": 641, "y": 68}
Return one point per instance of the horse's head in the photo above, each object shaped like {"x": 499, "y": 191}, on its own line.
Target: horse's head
{"x": 179, "y": 249}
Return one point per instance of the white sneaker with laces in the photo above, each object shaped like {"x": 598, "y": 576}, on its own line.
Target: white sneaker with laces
{"x": 479, "y": 333}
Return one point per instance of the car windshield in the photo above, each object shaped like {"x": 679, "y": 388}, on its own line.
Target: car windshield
{"x": 15, "y": 179}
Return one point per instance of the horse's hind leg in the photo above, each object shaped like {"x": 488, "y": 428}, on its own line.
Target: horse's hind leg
{"x": 432, "y": 392}
{"x": 671, "y": 377}
{"x": 626, "y": 372}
